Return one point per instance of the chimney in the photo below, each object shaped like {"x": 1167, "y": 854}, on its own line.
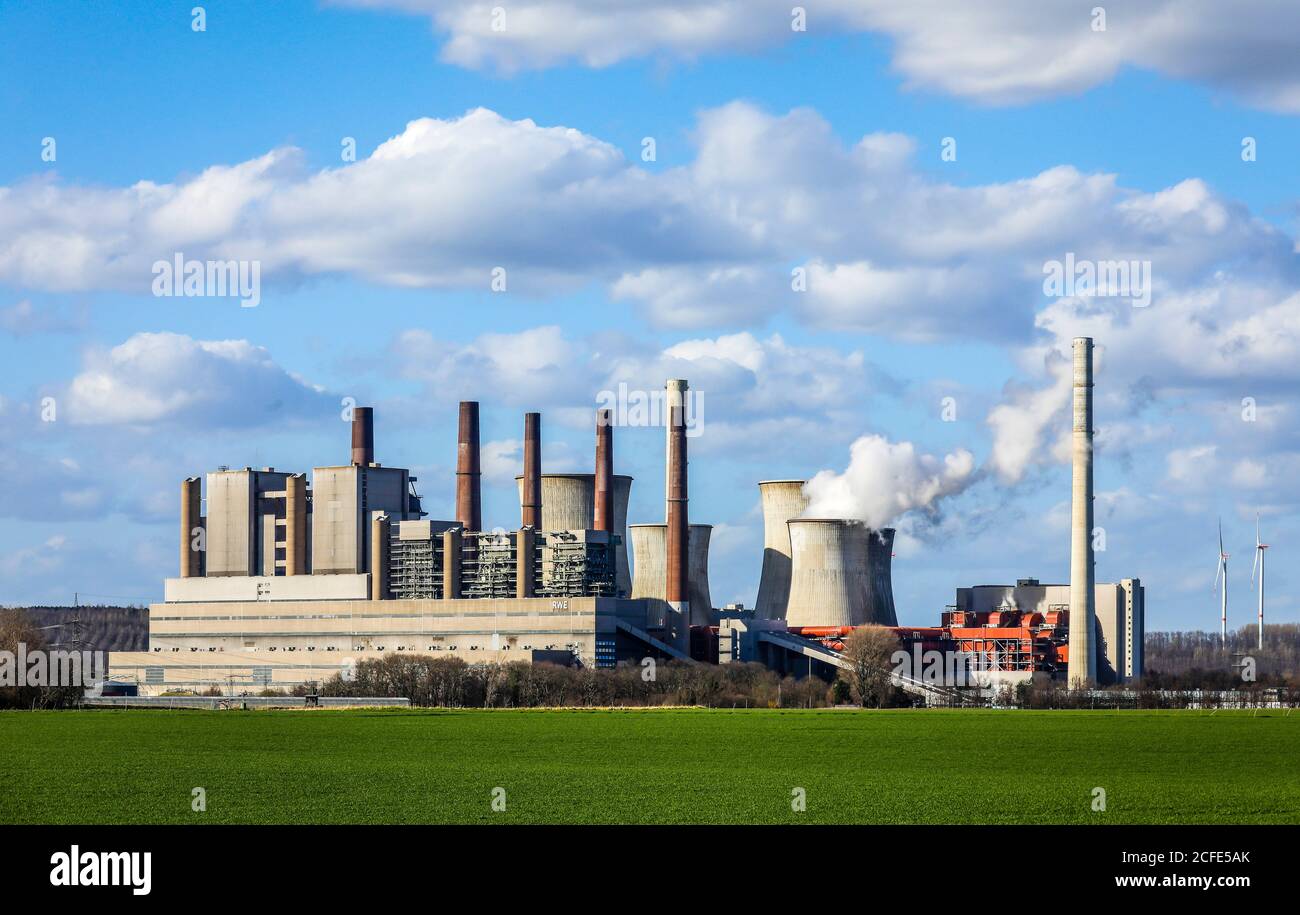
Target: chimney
{"x": 677, "y": 589}
{"x": 191, "y": 508}
{"x": 532, "y": 495}
{"x": 295, "y": 524}
{"x": 782, "y": 501}
{"x": 1083, "y": 658}
{"x": 379, "y": 558}
{"x": 604, "y": 514}
{"x": 363, "y": 436}
{"x": 469, "y": 504}
{"x": 674, "y": 396}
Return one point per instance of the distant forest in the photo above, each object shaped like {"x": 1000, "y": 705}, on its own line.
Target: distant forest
{"x": 1174, "y": 654}
{"x": 103, "y": 628}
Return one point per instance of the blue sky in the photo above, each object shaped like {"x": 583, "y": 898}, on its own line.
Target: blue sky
{"x": 924, "y": 273}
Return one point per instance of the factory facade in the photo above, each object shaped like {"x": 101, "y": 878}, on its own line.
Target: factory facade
{"x": 284, "y": 582}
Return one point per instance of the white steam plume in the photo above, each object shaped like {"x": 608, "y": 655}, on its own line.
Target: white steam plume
{"x": 1020, "y": 424}
{"x": 885, "y": 479}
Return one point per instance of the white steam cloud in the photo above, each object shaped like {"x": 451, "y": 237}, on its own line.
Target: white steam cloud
{"x": 1020, "y": 424}
{"x": 886, "y": 479}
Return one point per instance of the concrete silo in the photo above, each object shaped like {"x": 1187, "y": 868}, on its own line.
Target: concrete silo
{"x": 839, "y": 574}
{"x": 569, "y": 504}
{"x": 782, "y": 501}
{"x": 650, "y": 549}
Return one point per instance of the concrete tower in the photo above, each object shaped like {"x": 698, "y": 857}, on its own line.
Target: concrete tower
{"x": 1083, "y": 598}
{"x": 782, "y": 500}
{"x": 839, "y": 574}
{"x": 650, "y": 547}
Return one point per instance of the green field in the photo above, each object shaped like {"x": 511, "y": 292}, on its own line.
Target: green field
{"x": 660, "y": 766}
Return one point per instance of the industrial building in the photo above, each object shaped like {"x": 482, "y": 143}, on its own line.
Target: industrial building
{"x": 821, "y": 578}
{"x": 283, "y": 581}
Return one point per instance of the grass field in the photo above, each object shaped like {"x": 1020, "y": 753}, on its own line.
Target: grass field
{"x": 661, "y": 766}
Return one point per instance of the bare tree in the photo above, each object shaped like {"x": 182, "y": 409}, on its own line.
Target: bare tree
{"x": 868, "y": 650}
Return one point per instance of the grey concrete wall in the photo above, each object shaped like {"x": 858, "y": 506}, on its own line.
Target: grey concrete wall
{"x": 266, "y": 588}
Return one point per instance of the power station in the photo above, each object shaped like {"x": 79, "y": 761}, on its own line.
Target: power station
{"x": 284, "y": 582}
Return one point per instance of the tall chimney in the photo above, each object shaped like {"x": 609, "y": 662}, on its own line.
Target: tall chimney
{"x": 363, "y": 436}
{"x": 674, "y": 396}
{"x": 604, "y": 514}
{"x": 191, "y": 508}
{"x": 469, "y": 498}
{"x": 1083, "y": 611}
{"x": 532, "y": 501}
{"x": 295, "y": 524}
{"x": 677, "y": 590}
{"x": 379, "y": 558}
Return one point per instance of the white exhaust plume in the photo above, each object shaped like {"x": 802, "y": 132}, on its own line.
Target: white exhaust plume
{"x": 1021, "y": 423}
{"x": 886, "y": 479}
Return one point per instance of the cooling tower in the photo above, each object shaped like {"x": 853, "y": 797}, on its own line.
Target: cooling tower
{"x": 782, "y": 500}
{"x": 839, "y": 574}
{"x": 569, "y": 504}
{"x": 701, "y": 600}
{"x": 649, "y": 547}
{"x": 1083, "y": 598}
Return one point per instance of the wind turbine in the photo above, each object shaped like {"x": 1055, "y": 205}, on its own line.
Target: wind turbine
{"x": 1260, "y": 547}
{"x": 1222, "y": 575}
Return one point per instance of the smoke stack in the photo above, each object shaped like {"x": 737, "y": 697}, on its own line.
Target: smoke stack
{"x": 674, "y": 396}
{"x": 604, "y": 513}
{"x": 677, "y": 589}
{"x": 469, "y": 496}
{"x": 782, "y": 500}
{"x": 363, "y": 436}
{"x": 379, "y": 558}
{"x": 839, "y": 574}
{"x": 531, "y": 504}
{"x": 1083, "y": 610}
{"x": 191, "y": 508}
